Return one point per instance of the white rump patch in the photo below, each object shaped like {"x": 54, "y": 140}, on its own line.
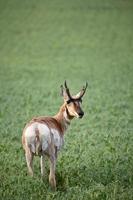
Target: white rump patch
{"x": 44, "y": 137}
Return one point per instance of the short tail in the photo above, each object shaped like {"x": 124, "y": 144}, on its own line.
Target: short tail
{"x": 37, "y": 142}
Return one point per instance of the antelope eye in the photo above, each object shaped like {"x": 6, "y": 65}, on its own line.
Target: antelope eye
{"x": 69, "y": 101}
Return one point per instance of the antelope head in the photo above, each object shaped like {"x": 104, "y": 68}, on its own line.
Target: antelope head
{"x": 73, "y": 103}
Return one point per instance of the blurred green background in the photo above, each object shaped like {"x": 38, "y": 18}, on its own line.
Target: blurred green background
{"x": 42, "y": 43}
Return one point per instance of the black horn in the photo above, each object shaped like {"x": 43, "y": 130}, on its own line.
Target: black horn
{"x": 83, "y": 90}
{"x": 67, "y": 90}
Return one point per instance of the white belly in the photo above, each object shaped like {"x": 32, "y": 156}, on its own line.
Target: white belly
{"x": 46, "y": 137}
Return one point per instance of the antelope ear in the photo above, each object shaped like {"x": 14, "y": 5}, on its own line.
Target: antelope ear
{"x": 77, "y": 95}
{"x": 82, "y": 91}
{"x": 62, "y": 90}
{"x": 63, "y": 93}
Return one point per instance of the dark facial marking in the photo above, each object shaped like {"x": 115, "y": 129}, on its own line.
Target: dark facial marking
{"x": 78, "y": 109}
{"x": 74, "y": 100}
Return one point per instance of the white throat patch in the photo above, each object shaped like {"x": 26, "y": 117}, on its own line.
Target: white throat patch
{"x": 67, "y": 120}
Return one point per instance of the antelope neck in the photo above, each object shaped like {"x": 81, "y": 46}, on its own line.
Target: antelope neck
{"x": 63, "y": 117}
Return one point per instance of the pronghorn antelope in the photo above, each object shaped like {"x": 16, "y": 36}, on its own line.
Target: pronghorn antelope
{"x": 45, "y": 135}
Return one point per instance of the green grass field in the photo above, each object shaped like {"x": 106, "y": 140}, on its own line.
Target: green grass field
{"x": 42, "y": 43}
